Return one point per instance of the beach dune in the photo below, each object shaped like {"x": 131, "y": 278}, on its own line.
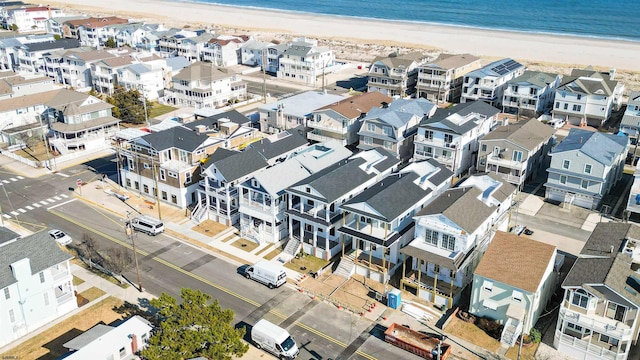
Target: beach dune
{"x": 530, "y": 47}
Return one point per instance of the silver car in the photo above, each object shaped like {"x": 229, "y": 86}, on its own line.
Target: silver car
{"x": 60, "y": 237}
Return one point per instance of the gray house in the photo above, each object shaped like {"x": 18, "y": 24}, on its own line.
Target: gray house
{"x": 585, "y": 166}
{"x": 630, "y": 123}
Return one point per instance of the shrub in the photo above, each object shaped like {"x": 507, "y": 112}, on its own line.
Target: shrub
{"x": 491, "y": 327}
{"x": 535, "y": 335}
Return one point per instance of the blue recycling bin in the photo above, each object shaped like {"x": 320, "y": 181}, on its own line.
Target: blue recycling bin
{"x": 394, "y": 298}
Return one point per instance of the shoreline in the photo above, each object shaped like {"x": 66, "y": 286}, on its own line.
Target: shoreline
{"x": 413, "y": 22}
{"x": 563, "y": 50}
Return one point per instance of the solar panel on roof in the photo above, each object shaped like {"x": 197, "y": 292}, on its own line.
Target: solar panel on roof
{"x": 506, "y": 67}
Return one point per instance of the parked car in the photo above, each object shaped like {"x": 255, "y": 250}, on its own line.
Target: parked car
{"x": 60, "y": 237}
{"x": 528, "y": 231}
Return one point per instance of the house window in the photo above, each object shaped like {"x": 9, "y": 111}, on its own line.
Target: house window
{"x": 431, "y": 237}
{"x": 41, "y": 277}
{"x": 123, "y": 352}
{"x": 137, "y": 185}
{"x": 615, "y": 311}
{"x": 173, "y": 174}
{"x": 164, "y": 195}
{"x": 566, "y": 106}
{"x": 487, "y": 286}
{"x": 517, "y": 295}
{"x": 428, "y": 135}
{"x": 565, "y": 164}
{"x": 182, "y": 156}
{"x": 387, "y": 130}
{"x": 145, "y": 188}
{"x": 574, "y": 327}
{"x": 517, "y": 156}
{"x": 46, "y": 299}
{"x": 388, "y": 145}
{"x": 580, "y": 298}
{"x": 496, "y": 151}
{"x": 187, "y": 178}
{"x": 557, "y": 105}
{"x": 163, "y": 175}
{"x": 584, "y": 184}
{"x": 448, "y": 138}
{"x": 577, "y": 107}
{"x": 448, "y": 242}
{"x": 563, "y": 179}
{"x": 174, "y": 199}
{"x": 128, "y": 183}
{"x": 371, "y": 127}
{"x": 146, "y": 166}
{"x": 609, "y": 340}
{"x": 436, "y": 269}
{"x": 587, "y": 169}
{"x": 12, "y": 316}
{"x": 131, "y": 164}
{"x": 579, "y": 96}
{"x": 7, "y": 293}
{"x": 484, "y": 147}
{"x": 367, "y": 140}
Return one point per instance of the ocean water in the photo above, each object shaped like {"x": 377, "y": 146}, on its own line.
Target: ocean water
{"x": 619, "y": 19}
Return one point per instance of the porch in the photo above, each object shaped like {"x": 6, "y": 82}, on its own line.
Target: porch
{"x": 437, "y": 291}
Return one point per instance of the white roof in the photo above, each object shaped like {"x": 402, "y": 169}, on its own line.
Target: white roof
{"x": 303, "y": 104}
{"x": 109, "y": 342}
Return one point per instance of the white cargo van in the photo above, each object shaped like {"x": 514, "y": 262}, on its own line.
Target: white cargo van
{"x": 147, "y": 224}
{"x": 268, "y": 273}
{"x": 274, "y": 339}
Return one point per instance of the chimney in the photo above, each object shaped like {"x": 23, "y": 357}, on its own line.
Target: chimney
{"x": 134, "y": 343}
{"x": 201, "y": 129}
{"x": 611, "y": 249}
{"x": 612, "y": 74}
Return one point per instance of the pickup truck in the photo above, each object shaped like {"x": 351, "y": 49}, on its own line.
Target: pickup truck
{"x": 426, "y": 346}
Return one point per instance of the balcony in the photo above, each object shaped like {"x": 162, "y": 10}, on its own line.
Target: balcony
{"x": 368, "y": 230}
{"x": 324, "y": 138}
{"x": 599, "y": 324}
{"x": 322, "y": 126}
{"x": 505, "y": 162}
{"x": 59, "y": 275}
{"x": 599, "y": 351}
{"x": 318, "y": 212}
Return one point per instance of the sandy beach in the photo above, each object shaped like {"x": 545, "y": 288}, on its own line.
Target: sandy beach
{"x": 530, "y": 48}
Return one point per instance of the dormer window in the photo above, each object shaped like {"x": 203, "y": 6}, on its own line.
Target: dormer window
{"x": 308, "y": 190}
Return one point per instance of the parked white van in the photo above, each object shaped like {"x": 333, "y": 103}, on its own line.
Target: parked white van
{"x": 274, "y": 339}
{"x": 268, "y": 273}
{"x": 557, "y": 123}
{"x": 147, "y": 224}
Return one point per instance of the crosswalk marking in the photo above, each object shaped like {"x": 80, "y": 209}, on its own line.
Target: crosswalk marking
{"x": 13, "y": 179}
{"x": 64, "y": 195}
{"x": 6, "y": 181}
{"x": 36, "y": 205}
{"x": 22, "y": 210}
{"x": 57, "y": 197}
{"x": 50, "y": 201}
{"x": 6, "y": 216}
{"x": 44, "y": 203}
{"x": 20, "y": 177}
{"x": 63, "y": 175}
{"x": 29, "y": 207}
{"x": 15, "y": 213}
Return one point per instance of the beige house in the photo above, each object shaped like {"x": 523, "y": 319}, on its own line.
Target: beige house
{"x": 395, "y": 75}
{"x": 441, "y": 79}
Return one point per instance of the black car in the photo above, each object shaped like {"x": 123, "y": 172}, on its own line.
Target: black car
{"x": 528, "y": 231}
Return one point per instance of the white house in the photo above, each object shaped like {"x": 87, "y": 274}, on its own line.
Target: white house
{"x": 504, "y": 291}
{"x": 489, "y": 82}
{"x": 451, "y": 234}
{"x": 587, "y": 97}
{"x": 111, "y": 342}
{"x": 531, "y": 93}
{"x": 303, "y": 61}
{"x": 30, "y": 18}
{"x": 36, "y": 284}
{"x": 293, "y": 111}
{"x": 451, "y": 135}
{"x": 630, "y": 123}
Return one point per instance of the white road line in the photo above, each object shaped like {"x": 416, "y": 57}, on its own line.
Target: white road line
{"x": 6, "y": 181}
{"x": 57, "y": 198}
{"x": 64, "y": 195}
{"x": 6, "y": 216}
{"x": 36, "y": 205}
{"x": 13, "y": 179}
{"x": 60, "y": 204}
{"x": 20, "y": 177}
{"x": 44, "y": 203}
{"x": 29, "y": 207}
{"x": 15, "y": 213}
{"x": 63, "y": 175}
{"x": 50, "y": 201}
{"x": 22, "y": 210}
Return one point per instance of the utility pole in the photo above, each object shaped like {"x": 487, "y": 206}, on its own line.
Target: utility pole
{"x": 157, "y": 192}
{"x": 46, "y": 143}
{"x": 131, "y": 235}
{"x": 264, "y": 75}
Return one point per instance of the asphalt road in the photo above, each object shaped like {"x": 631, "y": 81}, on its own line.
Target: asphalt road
{"x": 167, "y": 265}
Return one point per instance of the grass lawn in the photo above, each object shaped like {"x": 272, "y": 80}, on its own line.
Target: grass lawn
{"x": 48, "y": 344}
{"x": 473, "y": 334}
{"x": 209, "y": 228}
{"x": 92, "y": 293}
{"x": 311, "y": 263}
{"x": 265, "y": 249}
{"x": 37, "y": 152}
{"x": 77, "y": 281}
{"x": 273, "y": 254}
{"x": 230, "y": 237}
{"x": 526, "y": 354}
{"x": 158, "y": 109}
{"x": 244, "y": 244}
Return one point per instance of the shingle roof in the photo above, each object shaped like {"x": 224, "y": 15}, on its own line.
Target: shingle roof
{"x": 525, "y": 265}
{"x": 7, "y": 235}
{"x": 462, "y": 206}
{"x": 236, "y": 165}
{"x": 354, "y": 106}
{"x": 177, "y": 137}
{"x": 529, "y": 133}
{"x": 537, "y": 78}
{"x": 588, "y": 271}
{"x": 94, "y": 22}
{"x": 456, "y": 119}
{"x": 389, "y": 198}
{"x": 606, "y": 239}
{"x": 400, "y": 112}
{"x": 451, "y": 61}
{"x": 402, "y": 60}
{"x": 203, "y": 71}
{"x": 303, "y": 104}
{"x": 50, "y": 45}
{"x": 601, "y": 147}
{"x": 232, "y": 115}
{"x": 39, "y": 248}
{"x": 588, "y": 81}
{"x": 283, "y": 143}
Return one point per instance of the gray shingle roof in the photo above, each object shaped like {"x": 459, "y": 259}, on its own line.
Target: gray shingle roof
{"x": 7, "y": 235}
{"x": 232, "y": 115}
{"x": 601, "y": 147}
{"x": 529, "y": 133}
{"x": 39, "y": 248}
{"x": 239, "y": 164}
{"x": 51, "y": 45}
{"x": 177, "y": 137}
{"x": 605, "y": 237}
{"x": 389, "y": 198}
{"x": 400, "y": 112}
{"x": 537, "y": 78}
{"x": 442, "y": 119}
{"x": 462, "y": 206}
{"x": 588, "y": 271}
{"x": 287, "y": 141}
